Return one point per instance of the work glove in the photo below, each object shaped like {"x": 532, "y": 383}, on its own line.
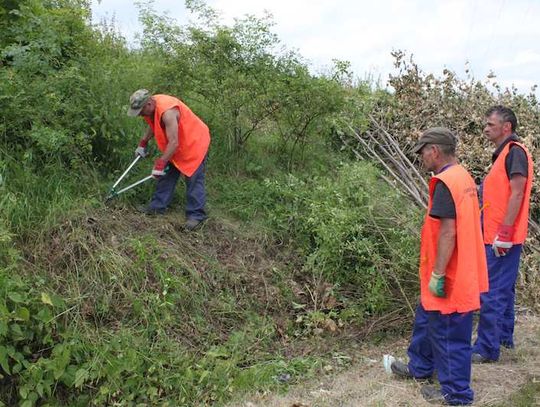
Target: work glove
{"x": 436, "y": 284}
{"x": 141, "y": 148}
{"x": 159, "y": 168}
{"x": 503, "y": 240}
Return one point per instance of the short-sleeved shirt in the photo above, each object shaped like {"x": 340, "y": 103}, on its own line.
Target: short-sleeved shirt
{"x": 442, "y": 205}
{"x": 516, "y": 161}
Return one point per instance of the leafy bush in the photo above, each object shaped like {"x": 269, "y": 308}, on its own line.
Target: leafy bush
{"x": 33, "y": 360}
{"x": 45, "y": 358}
{"x": 64, "y": 85}
{"x": 352, "y": 229}
{"x": 241, "y": 81}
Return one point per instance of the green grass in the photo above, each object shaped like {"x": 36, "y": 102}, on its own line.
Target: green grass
{"x": 527, "y": 396}
{"x": 144, "y": 314}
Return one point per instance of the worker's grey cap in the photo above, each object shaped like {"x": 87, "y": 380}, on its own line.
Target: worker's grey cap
{"x": 435, "y": 135}
{"x": 137, "y": 101}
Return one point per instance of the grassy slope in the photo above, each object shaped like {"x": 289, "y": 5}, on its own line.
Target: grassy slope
{"x": 149, "y": 313}
{"x": 198, "y": 310}
{"x": 153, "y": 315}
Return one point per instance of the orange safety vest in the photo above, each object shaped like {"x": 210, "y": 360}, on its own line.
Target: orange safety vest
{"x": 466, "y": 272}
{"x": 193, "y": 134}
{"x": 496, "y": 193}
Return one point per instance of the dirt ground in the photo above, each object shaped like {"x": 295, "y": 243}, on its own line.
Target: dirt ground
{"x": 367, "y": 384}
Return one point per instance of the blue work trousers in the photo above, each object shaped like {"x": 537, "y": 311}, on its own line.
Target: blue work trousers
{"x": 496, "y": 325}
{"x": 442, "y": 342}
{"x": 195, "y": 192}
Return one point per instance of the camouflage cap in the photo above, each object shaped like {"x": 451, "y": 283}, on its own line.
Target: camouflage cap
{"x": 435, "y": 135}
{"x": 137, "y": 101}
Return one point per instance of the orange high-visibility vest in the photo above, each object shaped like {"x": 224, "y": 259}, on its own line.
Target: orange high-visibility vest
{"x": 193, "y": 134}
{"x": 466, "y": 272}
{"x": 496, "y": 192}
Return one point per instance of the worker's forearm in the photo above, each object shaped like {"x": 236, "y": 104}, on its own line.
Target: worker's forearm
{"x": 148, "y": 134}
{"x": 445, "y": 248}
{"x": 514, "y": 205}
{"x": 170, "y": 150}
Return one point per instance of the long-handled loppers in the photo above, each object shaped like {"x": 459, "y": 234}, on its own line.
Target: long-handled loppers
{"x": 113, "y": 192}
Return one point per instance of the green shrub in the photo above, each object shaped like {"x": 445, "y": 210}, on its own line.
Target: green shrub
{"x": 33, "y": 360}
{"x": 353, "y": 230}
{"x": 65, "y": 85}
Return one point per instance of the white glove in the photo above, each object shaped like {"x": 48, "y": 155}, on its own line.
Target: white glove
{"x": 141, "y": 151}
{"x": 503, "y": 240}
{"x": 159, "y": 168}
{"x": 500, "y": 247}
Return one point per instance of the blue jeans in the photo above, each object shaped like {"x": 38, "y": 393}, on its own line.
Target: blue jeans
{"x": 496, "y": 325}
{"x": 442, "y": 342}
{"x": 195, "y": 192}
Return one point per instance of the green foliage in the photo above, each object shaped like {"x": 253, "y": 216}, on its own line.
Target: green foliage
{"x": 8, "y": 253}
{"x": 239, "y": 80}
{"x": 173, "y": 376}
{"x": 140, "y": 325}
{"x": 33, "y": 360}
{"x": 64, "y": 85}
{"x": 354, "y": 231}
{"x": 104, "y": 307}
{"x": 32, "y": 202}
{"x": 308, "y": 106}
{"x": 126, "y": 366}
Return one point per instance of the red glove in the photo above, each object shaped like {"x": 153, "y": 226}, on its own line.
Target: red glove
{"x": 141, "y": 149}
{"x": 503, "y": 240}
{"x": 159, "y": 168}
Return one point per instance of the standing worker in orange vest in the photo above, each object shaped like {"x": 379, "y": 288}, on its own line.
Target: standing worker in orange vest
{"x": 453, "y": 273}
{"x": 183, "y": 140}
{"x": 506, "y": 192}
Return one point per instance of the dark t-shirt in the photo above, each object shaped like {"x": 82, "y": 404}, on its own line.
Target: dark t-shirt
{"x": 443, "y": 204}
{"x": 516, "y": 161}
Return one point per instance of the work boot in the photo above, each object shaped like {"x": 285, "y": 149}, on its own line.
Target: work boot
{"x": 507, "y": 345}
{"x": 478, "y": 358}
{"x": 401, "y": 369}
{"x": 433, "y": 395}
{"x": 193, "y": 224}
{"x": 150, "y": 211}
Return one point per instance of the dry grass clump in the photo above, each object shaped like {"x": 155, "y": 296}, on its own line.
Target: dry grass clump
{"x": 108, "y": 261}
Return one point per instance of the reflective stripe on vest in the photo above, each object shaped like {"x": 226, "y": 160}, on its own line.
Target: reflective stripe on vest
{"x": 466, "y": 272}
{"x": 193, "y": 134}
{"x": 496, "y": 193}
